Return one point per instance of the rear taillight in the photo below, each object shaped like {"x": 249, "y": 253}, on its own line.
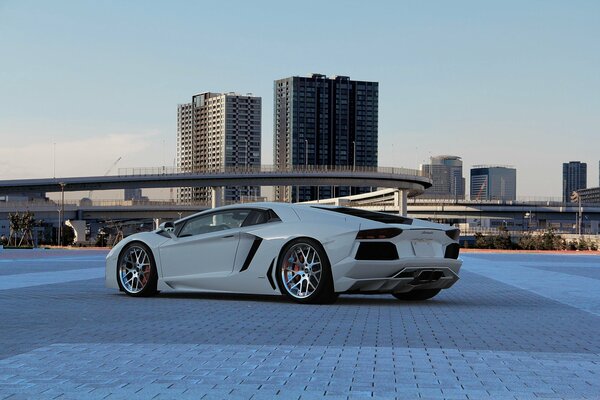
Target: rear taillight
{"x": 385, "y": 233}
{"x": 452, "y": 251}
{"x": 453, "y": 234}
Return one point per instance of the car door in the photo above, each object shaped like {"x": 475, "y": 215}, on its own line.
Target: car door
{"x": 205, "y": 247}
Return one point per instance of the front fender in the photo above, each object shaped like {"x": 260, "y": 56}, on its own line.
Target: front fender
{"x": 150, "y": 239}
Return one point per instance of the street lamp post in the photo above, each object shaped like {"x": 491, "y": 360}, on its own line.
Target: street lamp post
{"x": 306, "y": 153}
{"x": 246, "y": 161}
{"x": 59, "y": 228}
{"x": 305, "y": 167}
{"x": 62, "y": 212}
{"x": 353, "y": 155}
{"x": 576, "y": 197}
{"x": 529, "y": 215}
{"x": 580, "y": 215}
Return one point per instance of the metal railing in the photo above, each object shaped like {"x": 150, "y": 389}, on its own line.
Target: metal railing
{"x": 520, "y": 201}
{"x": 269, "y": 169}
{"x": 86, "y": 202}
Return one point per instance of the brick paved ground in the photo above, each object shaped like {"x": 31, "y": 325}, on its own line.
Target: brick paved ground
{"x": 514, "y": 327}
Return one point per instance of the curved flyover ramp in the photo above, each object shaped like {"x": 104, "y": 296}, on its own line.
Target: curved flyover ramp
{"x": 413, "y": 182}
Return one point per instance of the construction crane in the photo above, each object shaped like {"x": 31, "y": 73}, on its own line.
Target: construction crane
{"x": 106, "y": 173}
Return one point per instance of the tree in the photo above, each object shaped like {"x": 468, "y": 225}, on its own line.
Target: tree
{"x": 68, "y": 235}
{"x": 21, "y": 229}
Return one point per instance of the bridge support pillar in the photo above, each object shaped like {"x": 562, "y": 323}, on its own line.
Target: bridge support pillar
{"x": 400, "y": 201}
{"x": 216, "y": 196}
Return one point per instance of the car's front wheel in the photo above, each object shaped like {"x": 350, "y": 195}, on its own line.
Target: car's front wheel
{"x": 304, "y": 273}
{"x": 417, "y": 295}
{"x": 136, "y": 270}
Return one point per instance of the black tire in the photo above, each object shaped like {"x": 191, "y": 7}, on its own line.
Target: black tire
{"x": 417, "y": 295}
{"x": 128, "y": 271}
{"x": 323, "y": 292}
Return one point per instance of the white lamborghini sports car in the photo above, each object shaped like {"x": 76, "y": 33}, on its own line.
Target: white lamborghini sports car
{"x": 307, "y": 252}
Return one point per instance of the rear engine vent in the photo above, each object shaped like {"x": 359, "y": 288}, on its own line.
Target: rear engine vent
{"x": 370, "y": 215}
{"x": 377, "y": 251}
{"x": 452, "y": 251}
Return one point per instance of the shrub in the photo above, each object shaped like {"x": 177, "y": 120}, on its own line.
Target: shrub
{"x": 502, "y": 241}
{"x": 548, "y": 240}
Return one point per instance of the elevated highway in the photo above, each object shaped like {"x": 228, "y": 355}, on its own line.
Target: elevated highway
{"x": 408, "y": 180}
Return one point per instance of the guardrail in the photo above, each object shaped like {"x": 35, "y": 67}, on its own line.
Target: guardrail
{"x": 269, "y": 169}
{"x": 520, "y": 201}
{"x": 383, "y": 204}
{"x": 85, "y": 202}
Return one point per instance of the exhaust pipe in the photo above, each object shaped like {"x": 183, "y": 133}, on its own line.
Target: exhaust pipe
{"x": 427, "y": 276}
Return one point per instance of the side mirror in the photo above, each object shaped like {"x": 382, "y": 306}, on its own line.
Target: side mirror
{"x": 169, "y": 227}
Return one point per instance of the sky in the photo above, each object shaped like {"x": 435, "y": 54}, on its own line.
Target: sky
{"x": 83, "y": 83}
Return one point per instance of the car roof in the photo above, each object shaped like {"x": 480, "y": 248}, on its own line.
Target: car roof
{"x": 344, "y": 212}
{"x": 258, "y": 205}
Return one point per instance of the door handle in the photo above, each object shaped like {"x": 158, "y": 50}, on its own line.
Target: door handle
{"x": 227, "y": 237}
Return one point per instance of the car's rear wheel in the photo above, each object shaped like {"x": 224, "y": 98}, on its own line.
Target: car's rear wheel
{"x": 136, "y": 270}
{"x": 417, "y": 295}
{"x": 304, "y": 273}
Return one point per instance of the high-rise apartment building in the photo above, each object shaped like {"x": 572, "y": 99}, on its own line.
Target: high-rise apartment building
{"x": 447, "y": 175}
{"x": 216, "y": 131}
{"x": 324, "y": 121}
{"x": 491, "y": 182}
{"x": 574, "y": 178}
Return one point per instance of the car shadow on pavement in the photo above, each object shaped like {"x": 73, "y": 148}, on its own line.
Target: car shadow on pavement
{"x": 224, "y": 296}
{"x": 343, "y": 300}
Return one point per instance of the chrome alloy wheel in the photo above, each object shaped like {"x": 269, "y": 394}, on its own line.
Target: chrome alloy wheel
{"x": 134, "y": 269}
{"x": 302, "y": 270}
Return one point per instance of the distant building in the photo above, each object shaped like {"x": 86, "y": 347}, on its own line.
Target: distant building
{"x": 493, "y": 182}
{"x": 589, "y": 195}
{"x": 132, "y": 194}
{"x": 324, "y": 121}
{"x": 574, "y": 178}
{"x": 216, "y": 131}
{"x": 447, "y": 175}
{"x": 24, "y": 197}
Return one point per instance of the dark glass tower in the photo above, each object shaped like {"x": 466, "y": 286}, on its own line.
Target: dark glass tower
{"x": 325, "y": 122}
{"x": 493, "y": 182}
{"x": 574, "y": 178}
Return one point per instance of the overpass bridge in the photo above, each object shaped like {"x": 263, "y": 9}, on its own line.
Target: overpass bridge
{"x": 409, "y": 182}
{"x": 481, "y": 214}
{"x": 514, "y": 215}
{"x": 471, "y": 216}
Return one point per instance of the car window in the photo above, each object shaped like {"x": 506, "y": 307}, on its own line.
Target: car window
{"x": 257, "y": 217}
{"x": 214, "y": 222}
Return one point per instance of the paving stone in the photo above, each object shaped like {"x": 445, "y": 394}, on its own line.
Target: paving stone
{"x": 487, "y": 337}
